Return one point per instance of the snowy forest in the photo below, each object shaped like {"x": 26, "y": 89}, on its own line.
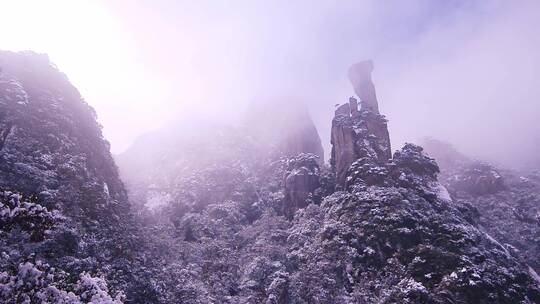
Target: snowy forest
{"x": 263, "y": 210}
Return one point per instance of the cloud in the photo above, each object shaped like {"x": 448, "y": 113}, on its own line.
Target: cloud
{"x": 462, "y": 71}
{"x": 473, "y": 81}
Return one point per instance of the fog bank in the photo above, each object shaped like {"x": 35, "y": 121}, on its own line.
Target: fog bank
{"x": 460, "y": 71}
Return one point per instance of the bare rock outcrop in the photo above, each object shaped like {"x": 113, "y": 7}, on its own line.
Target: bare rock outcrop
{"x": 359, "y": 133}
{"x": 284, "y": 127}
{"x": 302, "y": 179}
{"x": 462, "y": 174}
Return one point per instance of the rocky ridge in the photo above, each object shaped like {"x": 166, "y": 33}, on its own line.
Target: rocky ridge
{"x": 506, "y": 202}
{"x": 66, "y": 230}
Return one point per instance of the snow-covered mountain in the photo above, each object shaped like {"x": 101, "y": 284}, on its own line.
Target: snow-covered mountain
{"x": 248, "y": 213}
{"x": 65, "y": 221}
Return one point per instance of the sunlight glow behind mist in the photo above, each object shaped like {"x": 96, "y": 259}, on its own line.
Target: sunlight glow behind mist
{"x": 84, "y": 39}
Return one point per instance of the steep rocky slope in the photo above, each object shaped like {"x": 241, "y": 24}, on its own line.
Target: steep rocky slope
{"x": 64, "y": 214}
{"x": 51, "y": 143}
{"x": 507, "y": 201}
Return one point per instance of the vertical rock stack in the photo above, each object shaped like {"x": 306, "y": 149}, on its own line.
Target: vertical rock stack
{"x": 360, "y": 77}
{"x": 359, "y": 134}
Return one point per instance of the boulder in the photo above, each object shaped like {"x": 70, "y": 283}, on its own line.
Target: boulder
{"x": 301, "y": 181}
{"x": 477, "y": 179}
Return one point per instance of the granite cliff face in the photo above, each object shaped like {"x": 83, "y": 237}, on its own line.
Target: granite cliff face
{"x": 359, "y": 133}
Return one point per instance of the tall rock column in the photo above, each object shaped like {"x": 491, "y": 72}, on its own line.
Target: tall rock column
{"x": 360, "y": 77}
{"x": 359, "y": 134}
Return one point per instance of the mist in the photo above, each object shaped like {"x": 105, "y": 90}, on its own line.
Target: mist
{"x": 459, "y": 71}
{"x": 213, "y": 151}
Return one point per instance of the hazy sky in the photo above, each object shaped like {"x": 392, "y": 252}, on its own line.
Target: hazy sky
{"x": 462, "y": 71}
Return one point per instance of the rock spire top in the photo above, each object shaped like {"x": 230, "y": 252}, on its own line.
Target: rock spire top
{"x": 360, "y": 77}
